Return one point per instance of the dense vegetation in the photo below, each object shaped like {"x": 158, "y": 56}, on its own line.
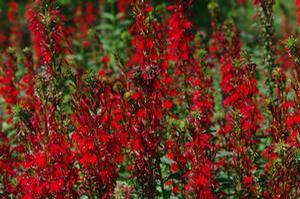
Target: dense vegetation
{"x": 149, "y": 99}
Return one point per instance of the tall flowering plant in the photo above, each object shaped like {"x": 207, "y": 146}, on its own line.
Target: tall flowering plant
{"x": 195, "y": 90}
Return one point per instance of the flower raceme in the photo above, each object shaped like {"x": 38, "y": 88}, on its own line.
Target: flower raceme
{"x": 41, "y": 22}
{"x": 297, "y": 4}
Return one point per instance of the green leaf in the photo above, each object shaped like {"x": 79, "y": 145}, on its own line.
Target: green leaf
{"x": 108, "y": 16}
{"x": 166, "y": 160}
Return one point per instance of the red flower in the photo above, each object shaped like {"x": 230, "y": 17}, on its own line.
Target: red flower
{"x": 174, "y": 168}
{"x": 201, "y": 181}
{"x": 167, "y": 104}
{"x": 105, "y": 60}
{"x": 248, "y": 180}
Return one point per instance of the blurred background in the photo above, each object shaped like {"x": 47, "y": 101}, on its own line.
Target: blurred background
{"x": 113, "y": 27}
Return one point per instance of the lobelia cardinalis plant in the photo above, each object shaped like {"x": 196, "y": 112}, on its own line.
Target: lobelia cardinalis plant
{"x": 237, "y": 138}
{"x": 195, "y": 162}
{"x": 146, "y": 124}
